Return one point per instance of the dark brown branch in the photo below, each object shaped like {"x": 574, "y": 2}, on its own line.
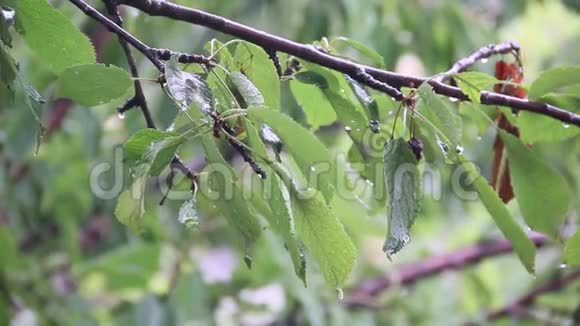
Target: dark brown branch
{"x": 310, "y": 53}
{"x": 412, "y": 272}
{"x": 518, "y": 307}
{"x": 483, "y": 53}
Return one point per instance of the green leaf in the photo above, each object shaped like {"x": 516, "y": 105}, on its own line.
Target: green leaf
{"x": 324, "y": 237}
{"x": 309, "y": 153}
{"x": 554, "y": 79}
{"x": 188, "y": 214}
{"x": 8, "y": 67}
{"x": 376, "y": 59}
{"x": 131, "y": 205}
{"x": 541, "y": 192}
{"x": 127, "y": 267}
{"x": 280, "y": 219}
{"x": 314, "y": 104}
{"x": 153, "y": 147}
{"x": 439, "y": 114}
{"x": 252, "y": 61}
{"x": 403, "y": 190}
{"x": 93, "y": 84}
{"x": 472, "y": 83}
{"x": 523, "y": 246}
{"x": 186, "y": 88}
{"x": 538, "y": 128}
{"x": 249, "y": 92}
{"x": 572, "y": 250}
{"x": 52, "y": 36}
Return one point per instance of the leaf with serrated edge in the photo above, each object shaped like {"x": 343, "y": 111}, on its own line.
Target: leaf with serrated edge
{"x": 131, "y": 205}
{"x": 52, "y": 36}
{"x": 523, "y": 246}
{"x": 472, "y": 83}
{"x": 439, "y": 114}
{"x": 403, "y": 191}
{"x": 309, "y": 153}
{"x": 541, "y": 192}
{"x": 554, "y": 79}
{"x": 552, "y": 130}
{"x": 93, "y": 84}
{"x": 249, "y": 92}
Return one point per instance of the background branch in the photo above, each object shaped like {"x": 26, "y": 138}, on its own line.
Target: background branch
{"x": 310, "y": 53}
{"x": 412, "y": 272}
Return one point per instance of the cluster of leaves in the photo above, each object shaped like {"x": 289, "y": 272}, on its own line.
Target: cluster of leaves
{"x": 243, "y": 94}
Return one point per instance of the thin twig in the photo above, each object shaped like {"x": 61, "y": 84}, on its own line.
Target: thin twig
{"x": 410, "y": 273}
{"x": 518, "y": 307}
{"x": 310, "y": 53}
{"x": 481, "y": 54}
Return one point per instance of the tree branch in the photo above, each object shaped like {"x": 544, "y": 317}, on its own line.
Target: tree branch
{"x": 412, "y": 272}
{"x": 310, "y": 53}
{"x": 483, "y": 53}
{"x": 518, "y": 307}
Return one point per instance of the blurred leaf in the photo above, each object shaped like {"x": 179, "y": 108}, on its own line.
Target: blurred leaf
{"x": 311, "y": 78}
{"x": 473, "y": 82}
{"x": 403, "y": 190}
{"x": 377, "y": 60}
{"x": 9, "y": 249}
{"x": 254, "y": 63}
{"x": 324, "y": 237}
{"x": 439, "y": 114}
{"x": 6, "y": 21}
{"x": 552, "y": 80}
{"x": 53, "y": 37}
{"x": 523, "y": 246}
{"x": 188, "y": 214}
{"x": 309, "y": 153}
{"x": 93, "y": 84}
{"x": 249, "y": 92}
{"x": 131, "y": 205}
{"x": 541, "y": 192}
{"x": 8, "y": 68}
{"x": 126, "y": 267}
{"x": 572, "y": 250}
{"x": 538, "y": 128}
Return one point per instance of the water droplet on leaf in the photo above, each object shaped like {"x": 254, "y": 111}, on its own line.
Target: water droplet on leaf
{"x": 121, "y": 115}
{"x": 565, "y": 125}
{"x": 347, "y": 129}
{"x": 562, "y": 266}
{"x": 459, "y": 149}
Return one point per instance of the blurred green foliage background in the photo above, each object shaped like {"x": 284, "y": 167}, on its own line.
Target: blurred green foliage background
{"x": 69, "y": 262}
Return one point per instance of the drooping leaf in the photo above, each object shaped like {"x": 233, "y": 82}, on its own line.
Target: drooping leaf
{"x": 93, "y": 84}
{"x": 538, "y": 128}
{"x": 554, "y": 79}
{"x": 154, "y": 147}
{"x": 315, "y": 106}
{"x": 52, "y": 36}
{"x": 131, "y": 205}
{"x": 572, "y": 250}
{"x": 472, "y": 83}
{"x": 377, "y": 60}
{"x": 186, "y": 88}
{"x": 439, "y": 114}
{"x": 523, "y": 246}
{"x": 254, "y": 63}
{"x": 541, "y": 192}
{"x": 403, "y": 190}
{"x": 281, "y": 219}
{"x": 309, "y": 153}
{"x": 249, "y": 92}
{"x": 324, "y": 237}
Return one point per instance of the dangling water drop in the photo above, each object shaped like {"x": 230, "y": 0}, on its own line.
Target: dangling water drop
{"x": 566, "y": 125}
{"x": 459, "y": 149}
{"x": 453, "y": 99}
{"x": 340, "y": 293}
{"x": 562, "y": 266}
{"x": 121, "y": 115}
{"x": 484, "y": 60}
